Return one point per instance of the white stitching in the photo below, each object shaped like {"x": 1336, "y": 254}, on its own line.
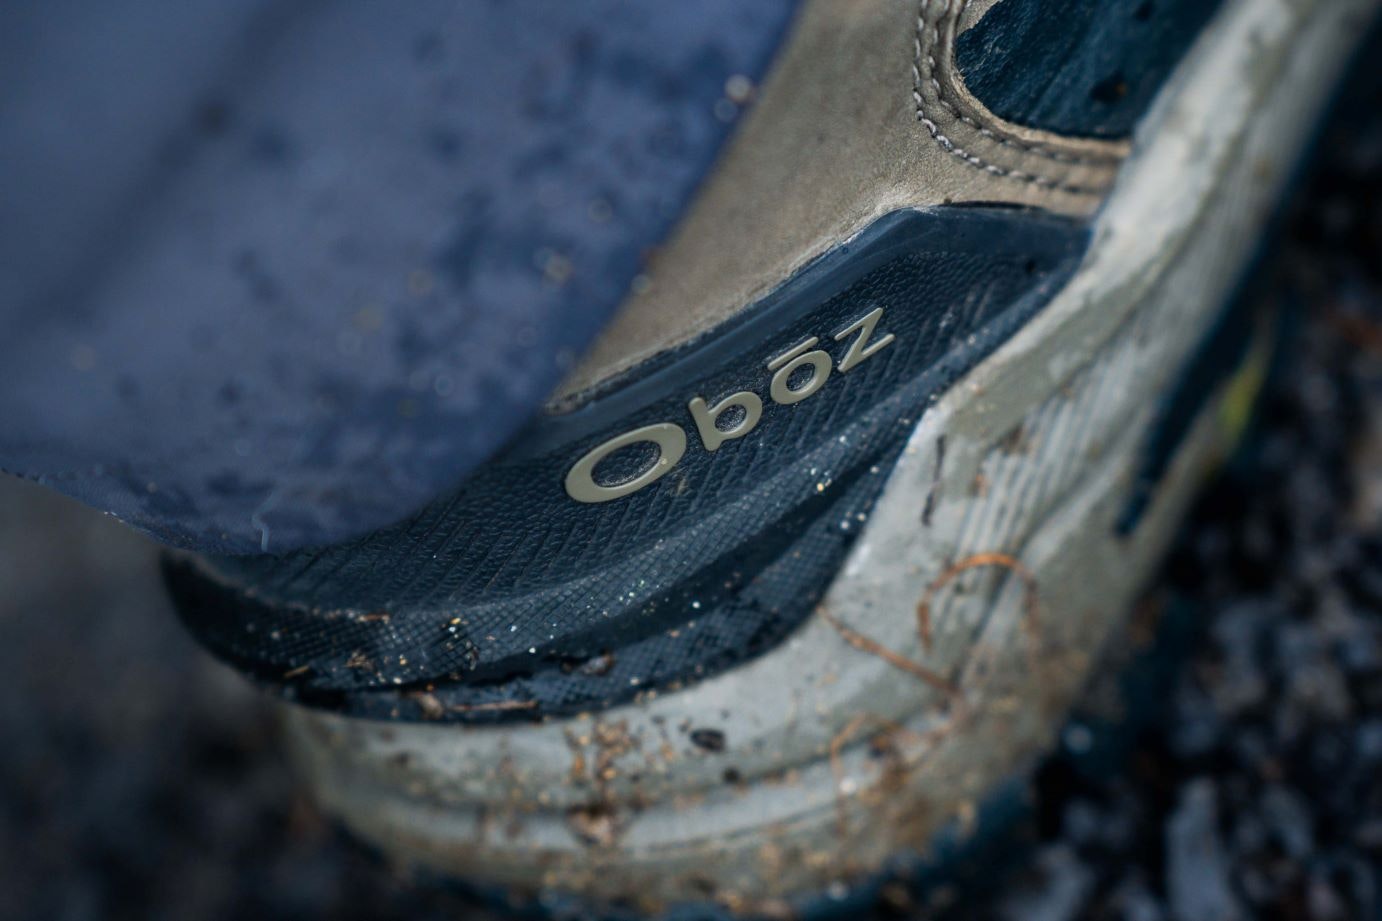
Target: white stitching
{"x": 950, "y": 147}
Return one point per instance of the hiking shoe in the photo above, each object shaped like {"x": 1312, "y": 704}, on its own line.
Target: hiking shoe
{"x": 812, "y": 550}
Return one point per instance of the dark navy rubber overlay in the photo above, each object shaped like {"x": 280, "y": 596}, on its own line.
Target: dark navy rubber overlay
{"x": 1074, "y": 66}
{"x": 276, "y": 275}
{"x": 508, "y": 598}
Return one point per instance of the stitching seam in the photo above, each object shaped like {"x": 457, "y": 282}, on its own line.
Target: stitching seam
{"x": 952, "y": 148}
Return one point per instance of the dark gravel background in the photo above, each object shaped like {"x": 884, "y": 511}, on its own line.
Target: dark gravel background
{"x": 140, "y": 780}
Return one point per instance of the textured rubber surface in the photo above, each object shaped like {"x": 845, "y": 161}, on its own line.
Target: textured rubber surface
{"x": 275, "y": 275}
{"x": 1074, "y": 66}
{"x": 508, "y": 599}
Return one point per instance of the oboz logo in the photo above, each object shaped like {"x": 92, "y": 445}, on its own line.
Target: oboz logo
{"x": 797, "y": 374}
